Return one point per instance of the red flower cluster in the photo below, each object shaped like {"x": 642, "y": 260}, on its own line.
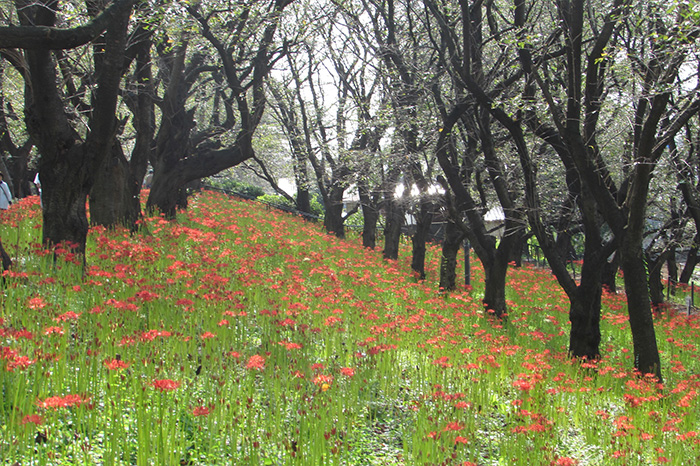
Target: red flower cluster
{"x": 67, "y": 401}
{"x": 166, "y": 385}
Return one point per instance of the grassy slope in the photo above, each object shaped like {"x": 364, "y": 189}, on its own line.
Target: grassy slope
{"x": 245, "y": 336}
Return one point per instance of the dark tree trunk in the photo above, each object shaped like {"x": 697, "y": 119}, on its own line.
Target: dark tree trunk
{"x": 303, "y": 201}
{"x": 333, "y": 220}
{"x": 584, "y": 310}
{"x": 420, "y": 237}
{"x": 392, "y": 229}
{"x": 370, "y": 216}
{"x": 6, "y": 261}
{"x": 646, "y": 352}
{"x": 114, "y": 198}
{"x": 495, "y": 285}
{"x": 656, "y": 286}
{"x": 68, "y": 164}
{"x": 64, "y": 195}
{"x": 165, "y": 192}
{"x": 672, "y": 267}
{"x": 448, "y": 262}
{"x": 690, "y": 263}
{"x": 519, "y": 247}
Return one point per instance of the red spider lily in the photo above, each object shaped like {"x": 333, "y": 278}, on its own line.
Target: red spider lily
{"x": 290, "y": 345}
{"x": 456, "y": 426}
{"x": 152, "y": 334}
{"x": 67, "y": 401}
{"x": 36, "y": 303}
{"x": 324, "y": 381}
{"x": 32, "y": 419}
{"x": 347, "y": 371}
{"x": 460, "y": 439}
{"x": 256, "y": 362}
{"x": 21, "y": 362}
{"x": 53, "y": 330}
{"x": 116, "y": 364}
{"x": 206, "y": 335}
{"x": 201, "y": 411}
{"x": 67, "y": 316}
{"x": 122, "y": 305}
{"x": 166, "y": 385}
{"x": 565, "y": 461}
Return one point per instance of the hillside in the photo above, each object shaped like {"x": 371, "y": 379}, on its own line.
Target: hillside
{"x": 242, "y": 335}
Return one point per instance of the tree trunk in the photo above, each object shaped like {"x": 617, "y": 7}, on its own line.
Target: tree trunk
{"x": 303, "y": 201}
{"x": 425, "y": 220}
{"x": 392, "y": 229}
{"x": 495, "y": 274}
{"x": 165, "y": 192}
{"x": 646, "y": 352}
{"x": 64, "y": 197}
{"x": 448, "y": 262}
{"x": 690, "y": 263}
{"x": 114, "y": 197}
{"x": 333, "y": 220}
{"x": 370, "y": 216}
{"x": 672, "y": 267}
{"x": 6, "y": 261}
{"x": 656, "y": 286}
{"x": 584, "y": 313}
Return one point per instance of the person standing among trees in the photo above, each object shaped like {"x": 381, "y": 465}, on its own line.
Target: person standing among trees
{"x": 5, "y": 195}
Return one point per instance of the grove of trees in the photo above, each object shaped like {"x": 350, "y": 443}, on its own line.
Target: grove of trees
{"x": 578, "y": 119}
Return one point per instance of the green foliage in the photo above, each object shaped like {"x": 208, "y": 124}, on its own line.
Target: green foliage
{"x": 277, "y": 201}
{"x": 233, "y": 186}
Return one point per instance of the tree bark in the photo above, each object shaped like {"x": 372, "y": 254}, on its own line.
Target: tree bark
{"x": 392, "y": 229}
{"x": 114, "y": 197}
{"x": 690, "y": 262}
{"x": 420, "y": 237}
{"x": 448, "y": 262}
{"x": 333, "y": 220}
{"x": 370, "y": 215}
{"x": 68, "y": 164}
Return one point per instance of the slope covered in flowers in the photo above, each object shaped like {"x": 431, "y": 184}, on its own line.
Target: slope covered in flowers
{"x": 241, "y": 335}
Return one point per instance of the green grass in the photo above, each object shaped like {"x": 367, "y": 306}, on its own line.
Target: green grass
{"x": 241, "y": 335}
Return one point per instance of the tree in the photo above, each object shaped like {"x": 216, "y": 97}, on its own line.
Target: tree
{"x": 587, "y": 71}
{"x": 463, "y": 58}
{"x": 70, "y": 155}
{"x": 242, "y": 40}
